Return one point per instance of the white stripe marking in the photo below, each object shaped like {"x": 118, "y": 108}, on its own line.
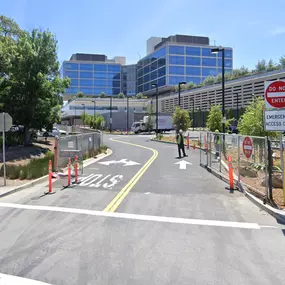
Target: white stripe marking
{"x": 14, "y": 280}
{"x": 135, "y": 217}
{"x": 275, "y": 94}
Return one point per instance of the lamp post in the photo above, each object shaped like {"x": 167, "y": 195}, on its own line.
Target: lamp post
{"x": 217, "y": 50}
{"x": 179, "y": 90}
{"x": 237, "y": 106}
{"x": 127, "y": 129}
{"x": 193, "y": 112}
{"x": 156, "y": 86}
{"x": 83, "y": 114}
{"x": 110, "y": 114}
{"x": 74, "y": 121}
{"x": 94, "y": 102}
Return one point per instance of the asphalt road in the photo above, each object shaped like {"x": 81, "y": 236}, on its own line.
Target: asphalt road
{"x": 137, "y": 218}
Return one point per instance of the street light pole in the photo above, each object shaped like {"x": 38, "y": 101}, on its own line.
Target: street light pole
{"x": 217, "y": 50}
{"x": 179, "y": 90}
{"x": 156, "y": 86}
{"x": 83, "y": 114}
{"x": 94, "y": 102}
{"x": 127, "y": 114}
{"x": 110, "y": 114}
{"x": 193, "y": 112}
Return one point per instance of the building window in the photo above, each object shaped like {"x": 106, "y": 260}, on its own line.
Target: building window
{"x": 116, "y": 91}
{"x": 99, "y": 90}
{"x": 72, "y": 90}
{"x": 86, "y": 82}
{"x": 228, "y": 53}
{"x": 153, "y": 66}
{"x": 226, "y": 70}
{"x": 114, "y": 83}
{"x": 146, "y": 87}
{"x": 179, "y": 70}
{"x": 71, "y": 74}
{"x": 86, "y": 74}
{"x": 114, "y": 68}
{"x": 176, "y": 50}
{"x": 153, "y": 75}
{"x": 161, "y": 81}
{"x": 193, "y": 60}
{"x": 100, "y": 67}
{"x": 209, "y": 61}
{"x": 161, "y": 72}
{"x": 209, "y": 71}
{"x": 176, "y": 59}
{"x": 193, "y": 71}
{"x": 208, "y": 52}
{"x": 173, "y": 80}
{"x": 87, "y": 91}
{"x": 85, "y": 66}
{"x": 228, "y": 63}
{"x": 161, "y": 62}
{"x": 100, "y": 75}
{"x": 98, "y": 82}
{"x": 193, "y": 79}
{"x": 146, "y": 69}
{"x": 193, "y": 51}
{"x": 70, "y": 66}
{"x": 74, "y": 82}
{"x": 146, "y": 78}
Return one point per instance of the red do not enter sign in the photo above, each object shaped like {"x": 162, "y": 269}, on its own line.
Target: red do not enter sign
{"x": 247, "y": 147}
{"x": 275, "y": 94}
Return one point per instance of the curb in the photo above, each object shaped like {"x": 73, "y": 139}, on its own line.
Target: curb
{"x": 40, "y": 180}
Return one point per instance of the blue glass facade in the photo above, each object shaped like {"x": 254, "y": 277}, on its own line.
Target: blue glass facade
{"x": 92, "y": 78}
{"x": 174, "y": 63}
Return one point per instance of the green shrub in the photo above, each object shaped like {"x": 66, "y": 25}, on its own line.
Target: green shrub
{"x": 23, "y": 174}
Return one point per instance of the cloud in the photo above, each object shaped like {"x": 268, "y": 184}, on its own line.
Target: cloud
{"x": 279, "y": 30}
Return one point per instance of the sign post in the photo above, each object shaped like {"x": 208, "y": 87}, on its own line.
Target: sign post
{"x": 5, "y": 125}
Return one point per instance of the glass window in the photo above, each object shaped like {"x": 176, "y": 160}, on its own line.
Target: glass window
{"x": 161, "y": 81}
{"x": 161, "y": 52}
{"x": 153, "y": 75}
{"x": 86, "y": 74}
{"x": 176, "y": 49}
{"x": 146, "y": 77}
{"x": 86, "y": 82}
{"x": 70, "y": 66}
{"x": 161, "y": 62}
{"x": 193, "y": 71}
{"x": 71, "y": 74}
{"x": 72, "y": 90}
{"x": 209, "y": 61}
{"x": 226, "y": 70}
{"x": 193, "y": 60}
{"x": 100, "y": 75}
{"x": 208, "y": 52}
{"x": 154, "y": 66}
{"x": 146, "y": 69}
{"x": 87, "y": 91}
{"x": 100, "y": 67}
{"x": 113, "y": 76}
{"x": 161, "y": 72}
{"x": 140, "y": 81}
{"x": 176, "y": 59}
{"x": 228, "y": 53}
{"x": 99, "y": 90}
{"x": 146, "y": 87}
{"x": 176, "y": 69}
{"x": 140, "y": 73}
{"x": 116, "y": 91}
{"x": 173, "y": 80}
{"x": 113, "y": 67}
{"x": 74, "y": 82}
{"x": 228, "y": 63}
{"x": 98, "y": 82}
{"x": 193, "y": 51}
{"x": 140, "y": 88}
{"x": 86, "y": 66}
{"x": 193, "y": 79}
{"x": 209, "y": 71}
{"x": 114, "y": 83}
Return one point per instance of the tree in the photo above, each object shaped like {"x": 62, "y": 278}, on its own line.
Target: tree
{"x": 80, "y": 95}
{"x": 150, "y": 118}
{"x": 214, "y": 119}
{"x": 181, "y": 119}
{"x": 102, "y": 95}
{"x": 140, "y": 96}
{"x": 209, "y": 80}
{"x": 271, "y": 66}
{"x": 261, "y": 65}
{"x": 230, "y": 114}
{"x": 282, "y": 62}
{"x": 121, "y": 95}
{"x": 31, "y": 87}
{"x": 252, "y": 122}
{"x": 191, "y": 85}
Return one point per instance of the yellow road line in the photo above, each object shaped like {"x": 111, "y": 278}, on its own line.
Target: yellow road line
{"x": 128, "y": 187}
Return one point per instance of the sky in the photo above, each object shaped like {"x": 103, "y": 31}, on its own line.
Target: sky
{"x": 255, "y": 29}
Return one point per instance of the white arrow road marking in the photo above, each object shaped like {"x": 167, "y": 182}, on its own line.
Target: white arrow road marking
{"x": 183, "y": 163}
{"x": 15, "y": 280}
{"x": 122, "y": 161}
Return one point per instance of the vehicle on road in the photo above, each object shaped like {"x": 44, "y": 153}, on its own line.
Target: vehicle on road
{"x": 55, "y": 132}
{"x": 164, "y": 124}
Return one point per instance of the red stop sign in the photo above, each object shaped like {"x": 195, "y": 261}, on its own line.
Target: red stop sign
{"x": 247, "y": 147}
{"x": 275, "y": 94}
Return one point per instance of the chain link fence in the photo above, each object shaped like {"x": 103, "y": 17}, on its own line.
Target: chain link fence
{"x": 82, "y": 145}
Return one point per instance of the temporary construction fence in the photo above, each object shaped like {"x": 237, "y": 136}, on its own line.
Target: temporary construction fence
{"x": 248, "y": 158}
{"x": 81, "y": 146}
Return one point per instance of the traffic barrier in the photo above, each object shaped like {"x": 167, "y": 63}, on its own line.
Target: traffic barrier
{"x": 188, "y": 141}
{"x": 76, "y": 168}
{"x": 50, "y": 176}
{"x": 231, "y": 173}
{"x": 69, "y": 172}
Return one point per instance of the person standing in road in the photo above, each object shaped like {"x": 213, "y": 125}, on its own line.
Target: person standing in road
{"x": 217, "y": 143}
{"x": 180, "y": 143}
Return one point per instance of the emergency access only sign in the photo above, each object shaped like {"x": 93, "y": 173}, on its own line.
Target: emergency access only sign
{"x": 275, "y": 94}
{"x": 274, "y": 120}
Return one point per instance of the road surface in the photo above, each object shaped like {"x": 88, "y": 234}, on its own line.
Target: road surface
{"x": 140, "y": 216}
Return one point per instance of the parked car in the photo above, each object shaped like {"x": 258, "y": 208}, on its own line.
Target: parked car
{"x": 55, "y": 132}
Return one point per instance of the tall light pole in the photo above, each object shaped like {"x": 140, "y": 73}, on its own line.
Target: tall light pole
{"x": 127, "y": 129}
{"x": 193, "y": 102}
{"x": 156, "y": 86}
{"x": 217, "y": 50}
{"x": 237, "y": 106}
{"x": 94, "y": 102}
{"x": 83, "y": 114}
{"x": 179, "y": 90}
{"x": 110, "y": 114}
